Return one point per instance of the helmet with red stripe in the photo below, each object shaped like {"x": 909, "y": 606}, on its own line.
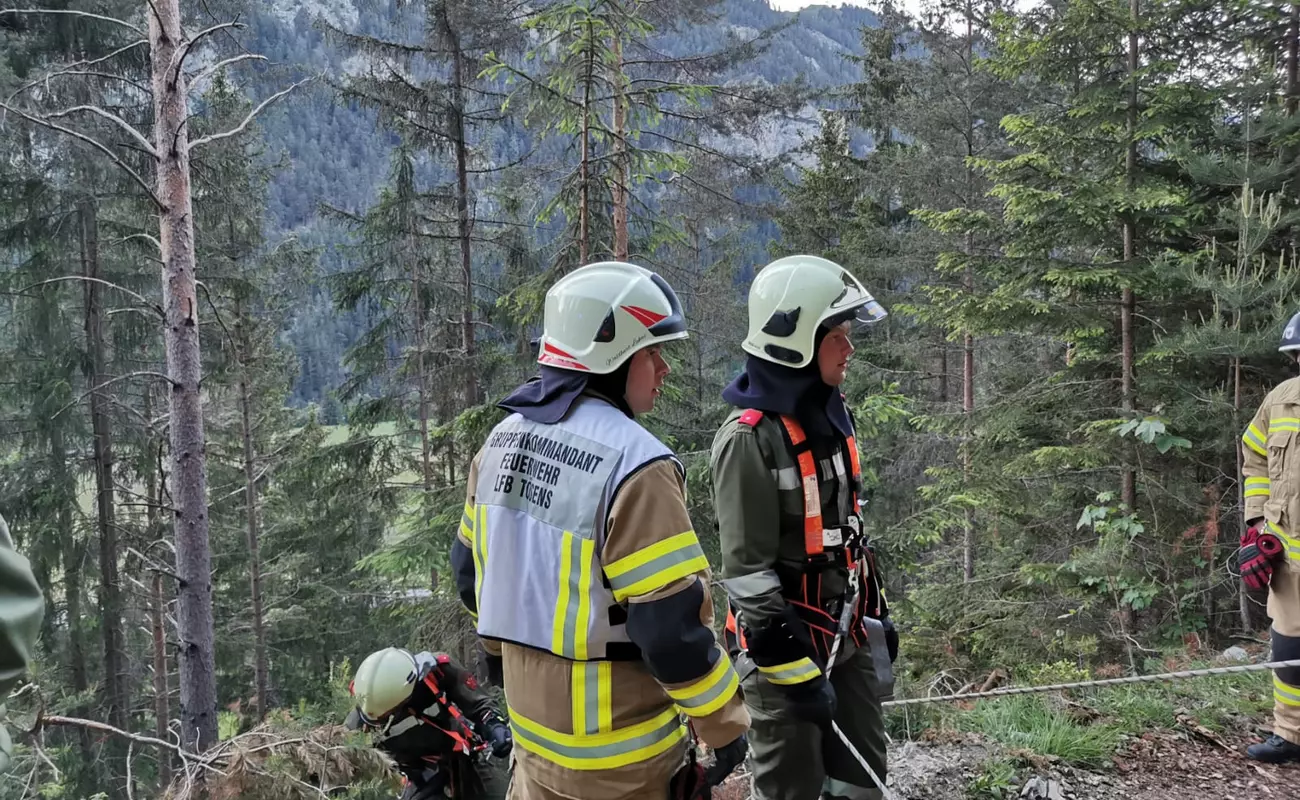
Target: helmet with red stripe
{"x": 597, "y": 316}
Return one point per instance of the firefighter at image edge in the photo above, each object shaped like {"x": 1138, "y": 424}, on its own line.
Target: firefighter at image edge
{"x": 805, "y": 594}
{"x": 579, "y": 560}
{"x": 1270, "y": 555}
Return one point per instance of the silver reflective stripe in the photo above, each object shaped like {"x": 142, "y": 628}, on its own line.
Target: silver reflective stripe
{"x": 585, "y": 752}
{"x": 880, "y": 657}
{"x": 797, "y": 674}
{"x": 833, "y": 467}
{"x": 657, "y": 565}
{"x": 754, "y": 585}
{"x": 573, "y": 549}
{"x": 833, "y": 788}
{"x": 786, "y": 478}
{"x": 591, "y": 695}
{"x": 399, "y": 728}
{"x": 720, "y": 686}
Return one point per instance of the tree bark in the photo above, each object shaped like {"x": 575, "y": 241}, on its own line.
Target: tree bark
{"x": 620, "y": 188}
{"x": 1293, "y": 61}
{"x": 464, "y": 226}
{"x": 198, "y": 700}
{"x": 110, "y": 590}
{"x": 1128, "y": 486}
{"x": 251, "y": 502}
{"x": 157, "y": 606}
{"x": 584, "y": 202}
{"x": 72, "y": 555}
{"x": 968, "y": 285}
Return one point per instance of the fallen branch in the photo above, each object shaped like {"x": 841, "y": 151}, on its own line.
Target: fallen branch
{"x": 92, "y": 725}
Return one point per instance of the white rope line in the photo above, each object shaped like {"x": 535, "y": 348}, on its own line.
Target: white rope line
{"x": 1057, "y": 687}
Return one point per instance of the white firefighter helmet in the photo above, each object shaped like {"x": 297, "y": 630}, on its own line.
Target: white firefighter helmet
{"x": 597, "y": 316}
{"x": 793, "y": 296}
{"x": 384, "y": 681}
{"x": 1291, "y": 337}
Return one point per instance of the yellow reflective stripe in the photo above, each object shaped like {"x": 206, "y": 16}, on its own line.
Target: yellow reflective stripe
{"x": 709, "y": 693}
{"x": 656, "y": 566}
{"x": 1292, "y": 545}
{"x": 791, "y": 672}
{"x": 616, "y": 748}
{"x": 1284, "y": 694}
{"x": 1254, "y": 439}
{"x": 1283, "y": 424}
{"x": 1258, "y": 487}
{"x": 593, "y": 710}
{"x": 479, "y": 549}
{"x": 573, "y": 601}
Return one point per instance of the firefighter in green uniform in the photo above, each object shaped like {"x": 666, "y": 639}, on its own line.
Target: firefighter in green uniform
{"x": 805, "y": 595}
{"x": 21, "y": 610}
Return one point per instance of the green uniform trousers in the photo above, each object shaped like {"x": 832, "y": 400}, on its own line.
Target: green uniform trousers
{"x": 794, "y": 760}
{"x": 479, "y": 780}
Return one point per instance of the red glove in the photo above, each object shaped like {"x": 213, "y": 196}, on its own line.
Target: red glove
{"x": 1258, "y": 553}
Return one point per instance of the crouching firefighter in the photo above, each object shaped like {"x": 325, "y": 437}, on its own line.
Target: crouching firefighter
{"x": 808, "y": 623}
{"x": 579, "y": 558}
{"x": 430, "y": 715}
{"x": 1270, "y": 553}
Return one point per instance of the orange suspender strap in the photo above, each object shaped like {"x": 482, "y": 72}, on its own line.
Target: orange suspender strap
{"x": 734, "y": 629}
{"x": 812, "y": 500}
{"x": 462, "y": 738}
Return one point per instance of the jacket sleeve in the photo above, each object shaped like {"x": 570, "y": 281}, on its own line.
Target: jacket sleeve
{"x": 463, "y": 562}
{"x": 464, "y": 690}
{"x": 1254, "y": 460}
{"x": 22, "y": 608}
{"x": 657, "y": 570}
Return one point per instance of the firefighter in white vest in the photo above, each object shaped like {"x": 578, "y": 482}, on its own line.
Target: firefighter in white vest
{"x": 578, "y": 557}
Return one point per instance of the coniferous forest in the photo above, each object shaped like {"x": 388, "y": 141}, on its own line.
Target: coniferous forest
{"x": 266, "y": 268}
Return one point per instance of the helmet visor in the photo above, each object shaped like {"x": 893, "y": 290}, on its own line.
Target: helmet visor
{"x": 675, "y": 322}
{"x": 855, "y": 303}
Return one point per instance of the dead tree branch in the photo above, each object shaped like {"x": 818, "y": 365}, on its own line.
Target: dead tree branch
{"x": 70, "y": 12}
{"x": 212, "y": 70}
{"x": 241, "y": 127}
{"x": 113, "y": 118}
{"x": 98, "y": 145}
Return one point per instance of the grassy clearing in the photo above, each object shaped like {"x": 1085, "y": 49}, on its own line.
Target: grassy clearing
{"x": 1083, "y": 728}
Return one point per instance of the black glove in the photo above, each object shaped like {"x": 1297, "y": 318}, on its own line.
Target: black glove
{"x": 500, "y": 739}
{"x": 812, "y": 701}
{"x": 496, "y": 672}
{"x": 891, "y": 639}
{"x": 725, "y": 760}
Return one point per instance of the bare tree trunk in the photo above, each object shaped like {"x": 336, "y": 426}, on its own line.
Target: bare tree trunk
{"x": 198, "y": 687}
{"x": 157, "y": 608}
{"x": 620, "y": 188}
{"x": 110, "y": 591}
{"x": 1128, "y": 487}
{"x": 943, "y": 369}
{"x": 1293, "y": 60}
{"x": 968, "y": 341}
{"x": 1243, "y": 596}
{"x": 72, "y": 555}
{"x": 260, "y": 664}
{"x": 465, "y": 228}
{"x": 584, "y": 202}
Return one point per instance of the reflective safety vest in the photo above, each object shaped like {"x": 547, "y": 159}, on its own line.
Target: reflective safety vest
{"x": 541, "y": 502}
{"x": 823, "y": 548}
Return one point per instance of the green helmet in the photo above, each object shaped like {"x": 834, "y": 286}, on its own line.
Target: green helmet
{"x": 792, "y": 297}
{"x": 384, "y": 681}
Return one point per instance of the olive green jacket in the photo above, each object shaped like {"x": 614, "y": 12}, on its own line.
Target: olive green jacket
{"x": 22, "y": 608}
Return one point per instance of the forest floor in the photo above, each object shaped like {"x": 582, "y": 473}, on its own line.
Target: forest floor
{"x": 1169, "y": 765}
{"x": 1172, "y": 741}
